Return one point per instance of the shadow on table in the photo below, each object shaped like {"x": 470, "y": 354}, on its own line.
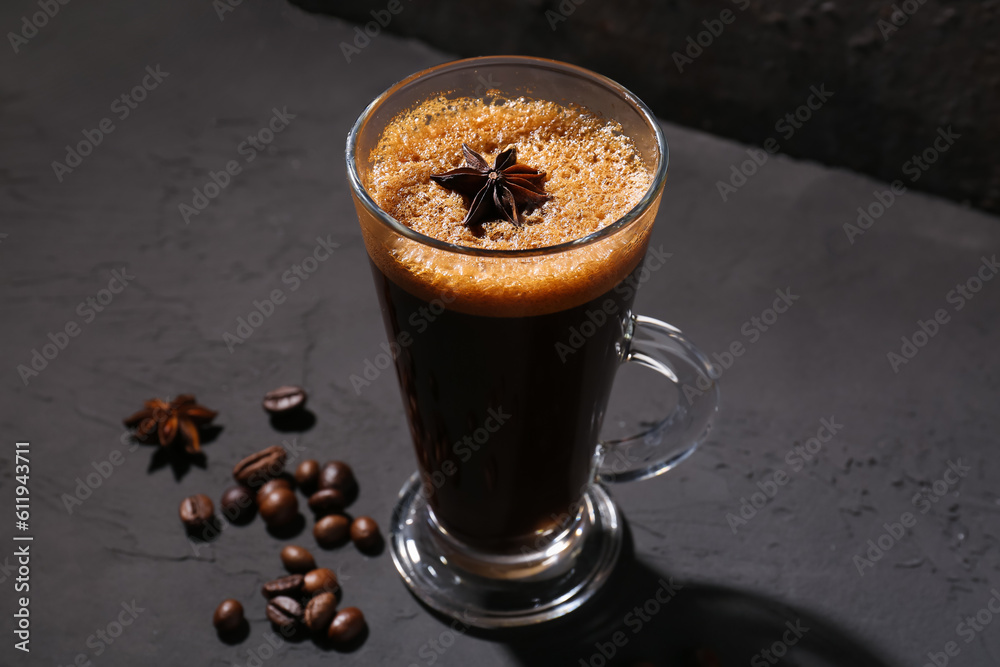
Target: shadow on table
{"x": 642, "y": 618}
{"x": 179, "y": 460}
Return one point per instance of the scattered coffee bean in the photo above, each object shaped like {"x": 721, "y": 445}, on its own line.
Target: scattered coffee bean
{"x": 320, "y": 580}
{"x": 196, "y": 511}
{"x": 364, "y": 533}
{"x": 297, "y": 559}
{"x": 320, "y": 611}
{"x": 337, "y": 475}
{"x": 237, "y": 504}
{"x": 327, "y": 501}
{"x": 228, "y": 617}
{"x": 284, "y": 399}
{"x": 257, "y": 468}
{"x": 331, "y": 530}
{"x": 273, "y": 485}
{"x": 346, "y": 625}
{"x": 307, "y": 475}
{"x": 279, "y": 507}
{"x": 284, "y": 612}
{"x": 289, "y": 586}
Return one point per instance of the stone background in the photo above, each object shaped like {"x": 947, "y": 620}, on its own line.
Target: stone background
{"x": 826, "y": 357}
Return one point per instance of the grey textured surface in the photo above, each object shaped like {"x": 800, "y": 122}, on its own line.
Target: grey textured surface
{"x": 825, "y": 357}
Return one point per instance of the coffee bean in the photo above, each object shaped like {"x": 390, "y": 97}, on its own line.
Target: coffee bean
{"x": 228, "y": 617}
{"x": 307, "y": 475}
{"x": 327, "y": 501}
{"x": 346, "y": 625}
{"x": 364, "y": 533}
{"x": 273, "y": 485}
{"x": 297, "y": 559}
{"x": 337, "y": 475}
{"x": 288, "y": 586}
{"x": 237, "y": 504}
{"x": 284, "y": 399}
{"x": 284, "y": 612}
{"x": 257, "y": 468}
{"x": 320, "y": 580}
{"x": 331, "y": 530}
{"x": 196, "y": 511}
{"x": 279, "y": 508}
{"x": 320, "y": 611}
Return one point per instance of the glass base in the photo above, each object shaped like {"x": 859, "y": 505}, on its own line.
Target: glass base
{"x": 488, "y": 590}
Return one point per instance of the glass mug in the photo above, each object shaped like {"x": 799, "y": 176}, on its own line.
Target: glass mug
{"x": 506, "y": 360}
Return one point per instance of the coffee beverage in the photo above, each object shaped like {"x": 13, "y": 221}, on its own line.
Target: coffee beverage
{"x": 272, "y": 485}
{"x": 307, "y": 476}
{"x": 332, "y": 530}
{"x": 284, "y": 612}
{"x": 279, "y": 507}
{"x": 297, "y": 559}
{"x": 196, "y": 511}
{"x": 346, "y": 625}
{"x": 506, "y": 451}
{"x": 320, "y": 611}
{"x": 327, "y": 501}
{"x": 237, "y": 504}
{"x": 320, "y": 580}
{"x": 284, "y": 399}
{"x": 338, "y": 475}
{"x": 507, "y": 227}
{"x": 228, "y": 617}
{"x": 289, "y": 586}
{"x": 261, "y": 466}
{"x": 364, "y": 533}
{"x": 506, "y": 366}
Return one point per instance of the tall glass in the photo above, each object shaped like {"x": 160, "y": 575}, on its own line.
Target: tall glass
{"x": 506, "y": 360}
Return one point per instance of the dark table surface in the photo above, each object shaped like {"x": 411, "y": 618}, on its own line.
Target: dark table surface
{"x": 62, "y": 238}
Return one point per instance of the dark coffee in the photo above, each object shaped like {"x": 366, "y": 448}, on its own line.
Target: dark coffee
{"x": 238, "y": 504}
{"x": 338, "y": 475}
{"x": 279, "y": 507}
{"x": 272, "y": 485}
{"x": 284, "y": 612}
{"x": 288, "y": 586}
{"x": 320, "y": 580}
{"x": 332, "y": 530}
{"x": 364, "y": 534}
{"x": 307, "y": 475}
{"x": 297, "y": 559}
{"x": 320, "y": 612}
{"x": 327, "y": 501}
{"x": 261, "y": 466}
{"x": 346, "y": 625}
{"x": 228, "y": 617}
{"x": 505, "y": 412}
{"x": 284, "y": 399}
{"x": 196, "y": 511}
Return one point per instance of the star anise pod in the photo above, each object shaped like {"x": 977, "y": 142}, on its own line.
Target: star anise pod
{"x": 182, "y": 415}
{"x": 499, "y": 189}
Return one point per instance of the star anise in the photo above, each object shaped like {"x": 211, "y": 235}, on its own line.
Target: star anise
{"x": 499, "y": 189}
{"x": 182, "y": 415}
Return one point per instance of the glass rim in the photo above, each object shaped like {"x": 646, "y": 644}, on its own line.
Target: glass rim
{"x": 648, "y": 198}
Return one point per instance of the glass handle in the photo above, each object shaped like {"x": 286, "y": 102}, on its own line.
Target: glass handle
{"x": 663, "y": 348}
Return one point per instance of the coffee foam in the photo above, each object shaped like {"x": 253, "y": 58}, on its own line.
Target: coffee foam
{"x": 593, "y": 172}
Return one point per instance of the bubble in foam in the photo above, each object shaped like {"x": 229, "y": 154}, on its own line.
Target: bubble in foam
{"x": 594, "y": 173}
